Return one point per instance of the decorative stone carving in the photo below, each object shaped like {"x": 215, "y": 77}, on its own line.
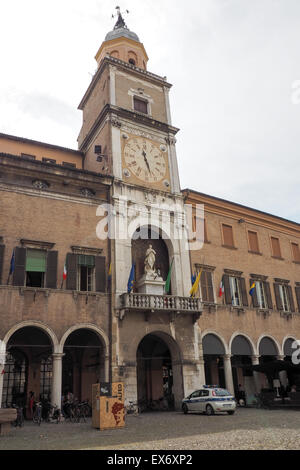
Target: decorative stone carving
{"x": 87, "y": 192}
{"x": 40, "y": 184}
{"x": 150, "y": 262}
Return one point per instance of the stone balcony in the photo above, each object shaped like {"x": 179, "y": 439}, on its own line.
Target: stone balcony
{"x": 151, "y": 303}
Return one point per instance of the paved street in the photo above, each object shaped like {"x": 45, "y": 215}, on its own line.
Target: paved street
{"x": 247, "y": 429}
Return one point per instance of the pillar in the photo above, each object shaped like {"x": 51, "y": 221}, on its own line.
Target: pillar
{"x": 56, "y": 392}
{"x": 228, "y": 373}
{"x": 255, "y": 361}
{"x": 283, "y": 373}
{"x": 2, "y": 365}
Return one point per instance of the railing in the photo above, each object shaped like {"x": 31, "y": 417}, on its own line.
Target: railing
{"x": 161, "y": 302}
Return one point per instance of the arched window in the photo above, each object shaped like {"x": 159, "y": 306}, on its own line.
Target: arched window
{"x": 15, "y": 379}
{"x": 132, "y": 61}
{"x": 46, "y": 377}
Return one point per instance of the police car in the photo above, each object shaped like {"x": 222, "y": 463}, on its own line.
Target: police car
{"x": 209, "y": 399}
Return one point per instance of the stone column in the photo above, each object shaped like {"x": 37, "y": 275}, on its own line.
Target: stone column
{"x": 282, "y": 374}
{"x": 228, "y": 373}
{"x": 2, "y": 365}
{"x": 56, "y": 392}
{"x": 255, "y": 361}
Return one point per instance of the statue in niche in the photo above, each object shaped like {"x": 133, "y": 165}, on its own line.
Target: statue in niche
{"x": 150, "y": 261}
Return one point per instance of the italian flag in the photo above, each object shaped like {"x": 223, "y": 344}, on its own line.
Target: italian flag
{"x": 65, "y": 272}
{"x": 221, "y": 290}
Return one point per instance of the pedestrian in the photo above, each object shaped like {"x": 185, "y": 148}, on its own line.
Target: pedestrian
{"x": 31, "y": 404}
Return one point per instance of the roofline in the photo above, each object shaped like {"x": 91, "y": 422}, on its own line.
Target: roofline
{"x": 189, "y": 191}
{"x": 40, "y": 163}
{"x": 36, "y": 142}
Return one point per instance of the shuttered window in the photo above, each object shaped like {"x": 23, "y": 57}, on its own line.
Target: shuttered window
{"x": 297, "y": 291}
{"x": 296, "y": 252}
{"x": 261, "y": 297}
{"x": 140, "y": 105}
{"x": 207, "y": 290}
{"x": 35, "y": 261}
{"x": 284, "y": 297}
{"x": 197, "y": 223}
{"x": 275, "y": 247}
{"x": 86, "y": 273}
{"x": 227, "y": 235}
{"x": 1, "y": 261}
{"x": 235, "y": 291}
{"x": 253, "y": 241}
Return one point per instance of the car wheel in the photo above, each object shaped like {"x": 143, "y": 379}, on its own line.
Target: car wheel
{"x": 231, "y": 412}
{"x": 209, "y": 410}
{"x": 185, "y": 409}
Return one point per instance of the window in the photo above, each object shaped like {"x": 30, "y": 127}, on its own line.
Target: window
{"x": 35, "y": 268}
{"x": 275, "y": 247}
{"x": 227, "y": 235}
{"x": 296, "y": 252}
{"x": 86, "y": 273}
{"x": 69, "y": 164}
{"x": 140, "y": 105}
{"x": 48, "y": 160}
{"x": 206, "y": 285}
{"x": 234, "y": 283}
{"x": 132, "y": 61}
{"x": 261, "y": 294}
{"x": 14, "y": 378}
{"x": 28, "y": 156}
{"x": 253, "y": 241}
{"x": 284, "y": 298}
{"x": 197, "y": 222}
{"x": 46, "y": 378}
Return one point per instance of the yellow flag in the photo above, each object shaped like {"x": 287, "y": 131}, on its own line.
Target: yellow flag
{"x": 196, "y": 284}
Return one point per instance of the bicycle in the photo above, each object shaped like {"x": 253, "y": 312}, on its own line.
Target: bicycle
{"x": 37, "y": 415}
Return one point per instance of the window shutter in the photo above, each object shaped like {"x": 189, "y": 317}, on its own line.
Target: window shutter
{"x": 277, "y": 297}
{"x": 291, "y": 300}
{"x": 100, "y": 273}
{"x": 51, "y": 273}
{"x": 1, "y": 261}
{"x": 276, "y": 247}
{"x": 254, "y": 295}
{"x": 19, "y": 272}
{"x": 227, "y": 291}
{"x": 253, "y": 241}
{"x": 244, "y": 292}
{"x": 227, "y": 235}
{"x": 297, "y": 290}
{"x": 204, "y": 291}
{"x": 210, "y": 287}
{"x": 296, "y": 252}
{"x": 71, "y": 283}
{"x": 268, "y": 294}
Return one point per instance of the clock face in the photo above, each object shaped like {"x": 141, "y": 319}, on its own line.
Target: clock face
{"x": 145, "y": 159}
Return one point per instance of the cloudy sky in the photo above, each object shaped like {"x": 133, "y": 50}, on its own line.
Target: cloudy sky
{"x": 235, "y": 70}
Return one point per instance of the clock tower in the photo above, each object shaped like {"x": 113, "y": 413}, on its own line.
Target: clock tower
{"x": 127, "y": 133}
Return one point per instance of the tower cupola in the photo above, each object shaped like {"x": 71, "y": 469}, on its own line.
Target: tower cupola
{"x": 123, "y": 44}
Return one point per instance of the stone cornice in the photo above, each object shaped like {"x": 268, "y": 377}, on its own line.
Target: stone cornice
{"x": 222, "y": 207}
{"x": 114, "y": 114}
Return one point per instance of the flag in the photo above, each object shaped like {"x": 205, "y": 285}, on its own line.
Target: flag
{"x": 12, "y": 263}
{"x": 252, "y": 287}
{"x": 109, "y": 273}
{"x": 221, "y": 290}
{"x": 130, "y": 280}
{"x": 196, "y": 284}
{"x": 193, "y": 278}
{"x": 168, "y": 280}
{"x": 65, "y": 272}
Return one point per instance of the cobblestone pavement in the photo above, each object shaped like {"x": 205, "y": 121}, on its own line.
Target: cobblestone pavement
{"x": 246, "y": 429}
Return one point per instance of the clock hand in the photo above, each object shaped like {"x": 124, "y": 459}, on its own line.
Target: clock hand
{"x": 146, "y": 161}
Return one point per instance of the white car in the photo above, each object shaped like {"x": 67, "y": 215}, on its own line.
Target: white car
{"x": 209, "y": 399}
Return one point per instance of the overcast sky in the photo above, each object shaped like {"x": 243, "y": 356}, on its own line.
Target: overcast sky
{"x": 235, "y": 70}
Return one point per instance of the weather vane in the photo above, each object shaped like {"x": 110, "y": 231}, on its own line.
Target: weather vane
{"x": 120, "y": 22}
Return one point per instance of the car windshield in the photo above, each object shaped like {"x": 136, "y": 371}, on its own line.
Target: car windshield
{"x": 221, "y": 392}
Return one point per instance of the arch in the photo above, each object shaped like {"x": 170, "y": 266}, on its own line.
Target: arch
{"x": 115, "y": 54}
{"x": 270, "y": 345}
{"x": 37, "y": 324}
{"x": 132, "y": 58}
{"x": 287, "y": 345}
{"x": 87, "y": 326}
{"x": 220, "y": 339}
{"x": 251, "y": 347}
